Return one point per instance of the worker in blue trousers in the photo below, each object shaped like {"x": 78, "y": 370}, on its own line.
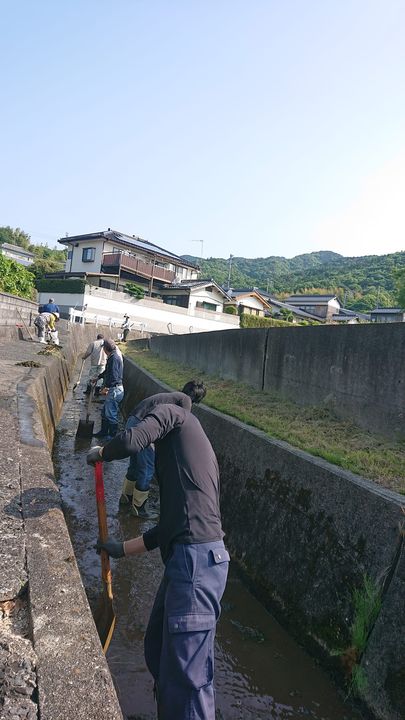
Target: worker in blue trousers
{"x": 112, "y": 388}
{"x": 141, "y": 467}
{"x": 179, "y": 640}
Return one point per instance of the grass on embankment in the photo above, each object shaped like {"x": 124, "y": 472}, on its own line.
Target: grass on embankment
{"x": 313, "y": 429}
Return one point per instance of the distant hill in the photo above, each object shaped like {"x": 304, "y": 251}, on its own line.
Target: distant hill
{"x": 361, "y": 283}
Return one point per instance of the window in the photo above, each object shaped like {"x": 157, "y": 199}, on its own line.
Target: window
{"x": 206, "y": 306}
{"x": 70, "y": 254}
{"x": 179, "y": 300}
{"x": 88, "y": 254}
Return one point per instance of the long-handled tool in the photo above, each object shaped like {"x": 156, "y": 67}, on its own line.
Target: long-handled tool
{"x": 85, "y": 427}
{"x": 26, "y": 326}
{"x": 80, "y": 376}
{"x": 104, "y": 616}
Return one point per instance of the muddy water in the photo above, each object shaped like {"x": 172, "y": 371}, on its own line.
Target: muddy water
{"x": 261, "y": 673}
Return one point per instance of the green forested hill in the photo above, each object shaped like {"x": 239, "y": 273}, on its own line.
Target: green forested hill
{"x": 362, "y": 283}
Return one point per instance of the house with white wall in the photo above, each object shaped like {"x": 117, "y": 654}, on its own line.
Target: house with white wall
{"x": 248, "y": 302}
{"x": 110, "y": 259}
{"x": 201, "y": 294}
{"x": 322, "y": 306}
{"x": 102, "y": 263}
{"x": 17, "y": 253}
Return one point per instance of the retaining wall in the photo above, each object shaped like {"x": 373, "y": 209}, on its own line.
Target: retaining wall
{"x": 306, "y": 533}
{"x": 66, "y": 663}
{"x": 357, "y": 370}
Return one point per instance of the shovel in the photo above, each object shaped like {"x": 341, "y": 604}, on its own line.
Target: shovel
{"x": 104, "y": 615}
{"x": 85, "y": 427}
{"x": 80, "y": 376}
{"x": 26, "y": 326}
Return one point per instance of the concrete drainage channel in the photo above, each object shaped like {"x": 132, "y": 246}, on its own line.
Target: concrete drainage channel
{"x": 261, "y": 672}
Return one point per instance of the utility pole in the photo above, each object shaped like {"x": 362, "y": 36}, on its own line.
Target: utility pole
{"x": 229, "y": 271}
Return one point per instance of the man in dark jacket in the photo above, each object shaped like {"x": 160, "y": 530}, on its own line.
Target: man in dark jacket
{"x": 141, "y": 467}
{"x": 113, "y": 389}
{"x": 179, "y": 640}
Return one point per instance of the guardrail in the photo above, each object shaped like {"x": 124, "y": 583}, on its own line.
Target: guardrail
{"x": 83, "y": 317}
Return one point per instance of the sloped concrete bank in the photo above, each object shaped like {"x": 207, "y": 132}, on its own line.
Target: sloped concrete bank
{"x": 51, "y": 661}
{"x": 308, "y": 535}
{"x": 357, "y": 370}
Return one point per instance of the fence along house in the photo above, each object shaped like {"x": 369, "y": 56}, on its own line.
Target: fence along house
{"x": 110, "y": 259}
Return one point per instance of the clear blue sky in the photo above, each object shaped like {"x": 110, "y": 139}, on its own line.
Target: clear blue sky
{"x": 260, "y": 127}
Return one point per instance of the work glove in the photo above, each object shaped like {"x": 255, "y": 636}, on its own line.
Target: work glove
{"x": 94, "y": 455}
{"x": 114, "y": 548}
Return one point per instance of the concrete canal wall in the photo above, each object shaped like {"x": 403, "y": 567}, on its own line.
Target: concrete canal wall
{"x": 307, "y": 534}
{"x": 357, "y": 370}
{"x": 51, "y": 661}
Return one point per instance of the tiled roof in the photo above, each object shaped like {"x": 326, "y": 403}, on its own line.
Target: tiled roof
{"x": 192, "y": 284}
{"x": 387, "y": 311}
{"x": 310, "y": 299}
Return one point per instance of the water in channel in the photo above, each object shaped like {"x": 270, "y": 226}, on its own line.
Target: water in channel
{"x": 261, "y": 673}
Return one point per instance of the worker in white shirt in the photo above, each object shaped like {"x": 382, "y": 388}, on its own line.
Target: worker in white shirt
{"x": 98, "y": 359}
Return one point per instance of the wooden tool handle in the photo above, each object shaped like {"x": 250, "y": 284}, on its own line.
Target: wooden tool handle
{"x": 102, "y": 521}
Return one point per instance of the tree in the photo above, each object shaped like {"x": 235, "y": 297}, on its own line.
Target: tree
{"x": 15, "y": 279}
{"x": 15, "y": 237}
{"x": 400, "y": 282}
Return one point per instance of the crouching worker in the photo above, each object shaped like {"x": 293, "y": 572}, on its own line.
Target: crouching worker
{"x": 113, "y": 389}
{"x": 141, "y": 467}
{"x": 45, "y": 324}
{"x": 179, "y": 640}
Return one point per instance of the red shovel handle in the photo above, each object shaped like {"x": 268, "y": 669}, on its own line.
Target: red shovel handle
{"x": 102, "y": 520}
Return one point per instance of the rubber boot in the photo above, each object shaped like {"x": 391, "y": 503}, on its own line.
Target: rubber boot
{"x": 103, "y": 432}
{"x": 139, "y": 507}
{"x": 126, "y": 493}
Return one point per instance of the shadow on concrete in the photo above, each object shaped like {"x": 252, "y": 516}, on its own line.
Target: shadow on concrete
{"x": 34, "y": 502}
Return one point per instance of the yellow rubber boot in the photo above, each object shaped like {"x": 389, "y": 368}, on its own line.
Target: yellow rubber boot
{"x": 127, "y": 491}
{"x": 139, "y": 508}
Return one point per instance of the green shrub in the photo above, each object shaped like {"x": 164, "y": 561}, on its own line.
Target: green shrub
{"x": 231, "y": 310}
{"x": 134, "y": 290}
{"x": 15, "y": 279}
{"x": 248, "y": 321}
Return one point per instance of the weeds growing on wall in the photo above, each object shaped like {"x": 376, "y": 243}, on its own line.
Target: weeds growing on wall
{"x": 366, "y": 606}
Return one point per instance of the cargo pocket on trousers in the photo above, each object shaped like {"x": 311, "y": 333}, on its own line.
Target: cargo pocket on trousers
{"x": 192, "y": 648}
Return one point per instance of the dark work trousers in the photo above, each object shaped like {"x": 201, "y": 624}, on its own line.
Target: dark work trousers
{"x": 142, "y": 464}
{"x": 179, "y": 640}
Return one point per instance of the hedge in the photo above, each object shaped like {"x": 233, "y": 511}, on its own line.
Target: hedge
{"x": 55, "y": 285}
{"x": 247, "y": 321}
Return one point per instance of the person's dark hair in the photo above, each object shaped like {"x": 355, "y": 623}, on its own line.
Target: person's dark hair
{"x": 109, "y": 345}
{"x": 195, "y": 389}
{"x": 100, "y": 336}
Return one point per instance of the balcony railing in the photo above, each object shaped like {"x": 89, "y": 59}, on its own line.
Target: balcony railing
{"x": 137, "y": 267}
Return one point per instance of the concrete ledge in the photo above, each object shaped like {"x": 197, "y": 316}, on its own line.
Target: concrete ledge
{"x": 71, "y": 673}
{"x": 306, "y": 533}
